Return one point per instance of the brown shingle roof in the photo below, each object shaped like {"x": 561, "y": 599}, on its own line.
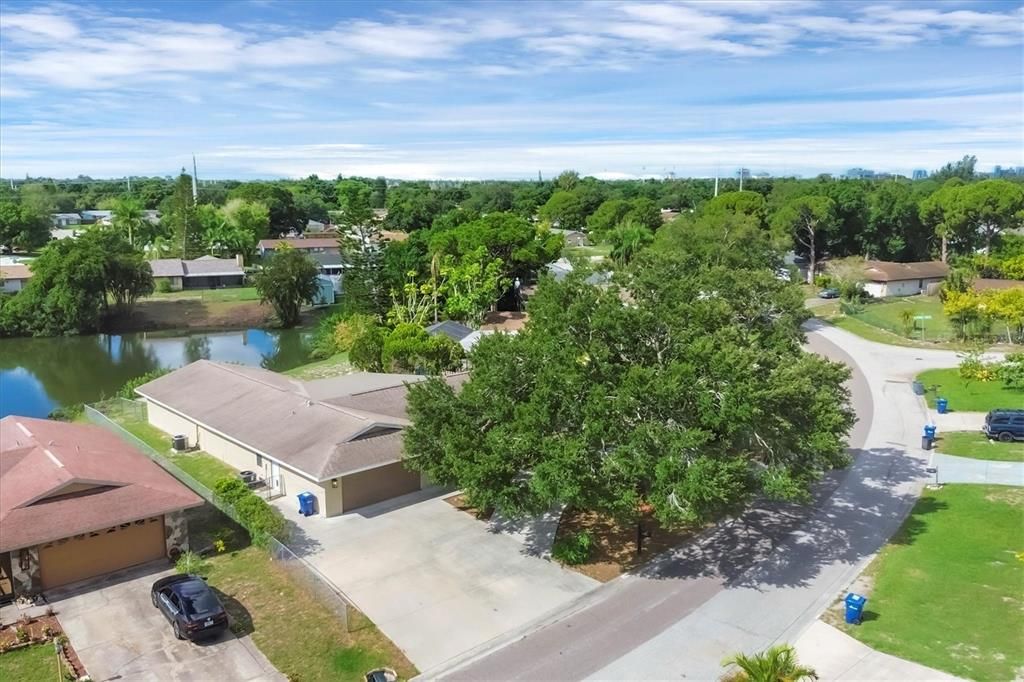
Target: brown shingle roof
{"x": 984, "y": 284}
{"x": 296, "y": 243}
{"x": 16, "y": 271}
{"x": 886, "y": 271}
{"x": 39, "y": 458}
{"x": 268, "y": 413}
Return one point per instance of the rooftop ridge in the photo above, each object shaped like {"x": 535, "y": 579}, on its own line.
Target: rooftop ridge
{"x": 228, "y": 368}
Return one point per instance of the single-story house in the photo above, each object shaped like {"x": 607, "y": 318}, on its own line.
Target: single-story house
{"x": 309, "y": 245}
{"x": 64, "y": 233}
{"x": 207, "y": 272}
{"x": 65, "y": 219}
{"x": 456, "y": 331}
{"x": 339, "y": 438}
{"x": 470, "y": 340}
{"x": 985, "y": 284}
{"x": 572, "y": 237}
{"x": 331, "y": 266}
{"x": 77, "y": 502}
{"x": 885, "y": 278}
{"x": 14, "y": 277}
{"x": 98, "y": 217}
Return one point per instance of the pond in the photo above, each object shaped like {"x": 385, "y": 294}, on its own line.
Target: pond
{"x": 40, "y": 374}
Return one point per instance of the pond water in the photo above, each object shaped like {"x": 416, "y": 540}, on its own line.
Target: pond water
{"x": 39, "y": 374}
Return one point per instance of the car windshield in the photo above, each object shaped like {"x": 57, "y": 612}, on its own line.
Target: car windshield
{"x": 198, "y": 598}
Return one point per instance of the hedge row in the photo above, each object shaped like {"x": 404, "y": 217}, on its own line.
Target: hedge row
{"x": 259, "y": 518}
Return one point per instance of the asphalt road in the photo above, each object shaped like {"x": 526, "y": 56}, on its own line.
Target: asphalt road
{"x": 623, "y": 615}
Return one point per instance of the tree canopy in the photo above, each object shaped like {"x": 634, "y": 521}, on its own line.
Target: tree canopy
{"x": 689, "y": 400}
{"x": 287, "y": 281}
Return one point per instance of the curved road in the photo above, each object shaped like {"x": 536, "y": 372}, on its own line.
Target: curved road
{"x": 756, "y": 579}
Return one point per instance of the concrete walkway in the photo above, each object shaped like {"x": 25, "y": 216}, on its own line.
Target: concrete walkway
{"x": 958, "y": 421}
{"x": 952, "y": 469}
{"x": 834, "y": 655}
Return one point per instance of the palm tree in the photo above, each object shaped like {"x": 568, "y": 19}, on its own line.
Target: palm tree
{"x": 628, "y": 239}
{"x": 776, "y": 664}
{"x": 129, "y": 218}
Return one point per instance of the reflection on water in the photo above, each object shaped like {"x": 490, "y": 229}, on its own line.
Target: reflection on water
{"x": 37, "y": 375}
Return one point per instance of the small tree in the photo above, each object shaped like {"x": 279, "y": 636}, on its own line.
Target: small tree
{"x": 776, "y": 664}
{"x": 907, "y": 320}
{"x": 288, "y": 281}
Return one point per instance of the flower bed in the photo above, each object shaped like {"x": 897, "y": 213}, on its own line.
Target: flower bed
{"x": 26, "y": 632}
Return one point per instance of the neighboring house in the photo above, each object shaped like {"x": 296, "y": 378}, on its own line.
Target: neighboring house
{"x": 470, "y": 340}
{"x": 331, "y": 267}
{"x": 884, "y": 278}
{"x": 393, "y": 235}
{"x": 573, "y": 237}
{"x": 339, "y": 439}
{"x": 64, "y": 233}
{"x": 310, "y": 245}
{"x": 98, "y": 217}
{"x": 207, "y": 272}
{"x": 668, "y": 215}
{"x": 151, "y": 216}
{"x": 455, "y": 331}
{"x": 77, "y": 502}
{"x": 65, "y": 219}
{"x": 14, "y": 277}
{"x": 983, "y": 284}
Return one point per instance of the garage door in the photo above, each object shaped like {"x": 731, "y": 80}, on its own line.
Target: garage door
{"x": 93, "y": 554}
{"x": 376, "y": 485}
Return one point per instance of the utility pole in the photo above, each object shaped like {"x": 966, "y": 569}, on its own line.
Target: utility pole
{"x": 716, "y": 183}
{"x": 195, "y": 185}
{"x": 741, "y": 179}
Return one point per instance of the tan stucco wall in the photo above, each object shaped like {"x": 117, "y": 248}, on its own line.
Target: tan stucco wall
{"x": 233, "y": 454}
{"x": 171, "y": 423}
{"x": 332, "y": 499}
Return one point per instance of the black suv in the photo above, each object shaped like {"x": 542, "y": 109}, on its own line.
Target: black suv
{"x": 1006, "y": 425}
{"x": 190, "y": 605}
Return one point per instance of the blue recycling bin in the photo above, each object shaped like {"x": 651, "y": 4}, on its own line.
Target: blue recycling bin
{"x": 942, "y": 405}
{"x": 929, "y": 431}
{"x": 307, "y": 504}
{"x": 855, "y": 608}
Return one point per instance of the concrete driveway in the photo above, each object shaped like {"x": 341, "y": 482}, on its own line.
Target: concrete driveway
{"x": 119, "y": 635}
{"x": 436, "y": 580}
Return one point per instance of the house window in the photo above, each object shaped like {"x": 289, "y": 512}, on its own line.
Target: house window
{"x": 259, "y": 461}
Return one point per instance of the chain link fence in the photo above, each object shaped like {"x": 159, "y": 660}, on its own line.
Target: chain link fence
{"x": 107, "y": 413}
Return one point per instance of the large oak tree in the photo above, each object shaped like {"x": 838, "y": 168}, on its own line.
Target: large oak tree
{"x": 684, "y": 391}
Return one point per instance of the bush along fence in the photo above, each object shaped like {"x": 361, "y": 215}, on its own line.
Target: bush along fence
{"x": 264, "y": 523}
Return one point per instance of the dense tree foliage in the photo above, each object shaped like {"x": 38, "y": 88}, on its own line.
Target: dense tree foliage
{"x": 689, "y": 400}
{"x": 287, "y": 281}
{"x": 22, "y": 226}
{"x": 75, "y": 284}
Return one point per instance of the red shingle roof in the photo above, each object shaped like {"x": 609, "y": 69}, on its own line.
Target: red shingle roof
{"x": 39, "y": 458}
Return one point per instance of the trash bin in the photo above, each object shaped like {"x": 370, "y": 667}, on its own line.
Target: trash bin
{"x": 929, "y": 430}
{"x": 918, "y": 388}
{"x": 855, "y": 608}
{"x": 941, "y": 405}
{"x": 926, "y": 443}
{"x": 307, "y": 504}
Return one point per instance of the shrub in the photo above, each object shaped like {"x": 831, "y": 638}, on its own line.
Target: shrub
{"x": 573, "y": 549}
{"x": 163, "y": 286}
{"x": 1011, "y": 370}
{"x": 192, "y": 564}
{"x": 128, "y": 390}
{"x": 230, "y": 490}
{"x": 973, "y": 368}
{"x": 907, "y": 320}
{"x": 366, "y": 350}
{"x": 823, "y": 281}
{"x": 67, "y": 413}
{"x": 259, "y": 518}
{"x": 21, "y": 633}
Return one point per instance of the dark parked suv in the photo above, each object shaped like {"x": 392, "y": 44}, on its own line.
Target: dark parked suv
{"x": 1006, "y": 425}
{"x": 190, "y": 605}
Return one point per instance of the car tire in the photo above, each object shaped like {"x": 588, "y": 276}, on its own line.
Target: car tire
{"x": 177, "y": 631}
{"x": 1005, "y": 437}
{"x": 152, "y": 598}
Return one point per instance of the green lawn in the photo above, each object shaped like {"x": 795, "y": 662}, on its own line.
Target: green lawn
{"x": 300, "y": 635}
{"x": 887, "y": 315}
{"x": 974, "y": 396}
{"x": 602, "y": 249}
{"x": 36, "y": 663}
{"x": 322, "y": 369}
{"x": 229, "y": 294}
{"x": 948, "y": 590}
{"x": 201, "y": 466}
{"x": 977, "y": 446}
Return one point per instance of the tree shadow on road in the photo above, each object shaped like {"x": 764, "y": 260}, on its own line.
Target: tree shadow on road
{"x": 773, "y": 544}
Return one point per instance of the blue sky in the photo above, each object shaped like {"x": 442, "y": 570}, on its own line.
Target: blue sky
{"x": 273, "y": 88}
